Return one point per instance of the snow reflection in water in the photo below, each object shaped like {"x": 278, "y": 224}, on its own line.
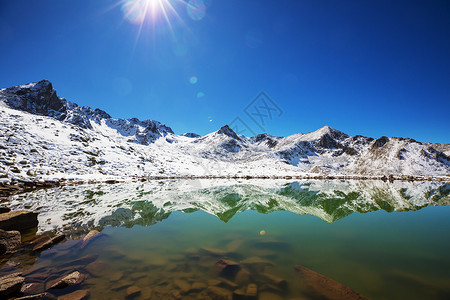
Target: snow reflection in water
{"x": 194, "y": 224}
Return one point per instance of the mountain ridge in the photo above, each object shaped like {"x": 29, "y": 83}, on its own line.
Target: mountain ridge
{"x": 131, "y": 147}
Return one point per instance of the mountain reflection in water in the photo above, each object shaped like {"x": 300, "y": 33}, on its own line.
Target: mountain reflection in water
{"x": 79, "y": 208}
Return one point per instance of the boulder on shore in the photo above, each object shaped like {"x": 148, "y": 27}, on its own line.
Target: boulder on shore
{"x": 9, "y": 240}
{"x": 10, "y": 284}
{"x": 18, "y": 220}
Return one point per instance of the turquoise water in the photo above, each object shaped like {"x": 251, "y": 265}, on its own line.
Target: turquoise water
{"x": 396, "y": 248}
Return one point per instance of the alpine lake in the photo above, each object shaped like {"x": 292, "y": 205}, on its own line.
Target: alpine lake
{"x": 242, "y": 239}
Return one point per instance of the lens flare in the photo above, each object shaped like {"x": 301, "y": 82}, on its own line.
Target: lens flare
{"x": 196, "y": 9}
{"x": 193, "y": 80}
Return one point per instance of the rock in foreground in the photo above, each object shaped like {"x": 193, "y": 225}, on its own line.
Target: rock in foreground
{"x": 319, "y": 286}
{"x": 10, "y": 284}
{"x": 18, "y": 220}
{"x": 9, "y": 240}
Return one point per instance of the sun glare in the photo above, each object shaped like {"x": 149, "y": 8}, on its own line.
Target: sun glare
{"x": 148, "y": 11}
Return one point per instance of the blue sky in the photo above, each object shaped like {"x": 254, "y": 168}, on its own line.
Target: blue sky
{"x": 364, "y": 67}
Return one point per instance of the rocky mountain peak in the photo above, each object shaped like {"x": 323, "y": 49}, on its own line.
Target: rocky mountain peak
{"x": 228, "y": 132}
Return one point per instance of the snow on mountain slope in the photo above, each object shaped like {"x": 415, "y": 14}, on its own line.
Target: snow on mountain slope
{"x": 43, "y": 136}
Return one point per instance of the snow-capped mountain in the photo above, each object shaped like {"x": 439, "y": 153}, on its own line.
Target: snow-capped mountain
{"x": 44, "y": 136}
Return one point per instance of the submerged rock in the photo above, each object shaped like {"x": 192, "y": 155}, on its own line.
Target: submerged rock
{"x": 269, "y": 296}
{"x": 77, "y": 295}
{"x": 81, "y": 261}
{"x": 243, "y": 277}
{"x": 41, "y": 296}
{"x": 256, "y": 264}
{"x": 9, "y": 241}
{"x": 275, "y": 280}
{"x": 18, "y": 220}
{"x": 319, "y": 286}
{"x": 74, "y": 278}
{"x": 10, "y": 284}
{"x": 218, "y": 293}
{"x": 91, "y": 236}
{"x": 32, "y": 288}
{"x": 182, "y": 285}
{"x": 98, "y": 268}
{"x": 213, "y": 252}
{"x": 227, "y": 268}
{"x": 252, "y": 291}
{"x": 48, "y": 241}
{"x": 133, "y": 291}
{"x": 198, "y": 286}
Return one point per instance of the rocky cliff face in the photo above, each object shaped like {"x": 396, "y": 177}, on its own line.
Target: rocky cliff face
{"x": 41, "y": 99}
{"x": 45, "y": 135}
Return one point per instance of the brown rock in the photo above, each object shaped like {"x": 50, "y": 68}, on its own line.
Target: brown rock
{"x": 243, "y": 277}
{"x": 252, "y": 291}
{"x": 275, "y": 280}
{"x": 115, "y": 276}
{"x": 217, "y": 293}
{"x": 227, "y": 268}
{"x": 92, "y": 235}
{"x": 74, "y": 278}
{"x": 48, "y": 242}
{"x": 77, "y": 295}
{"x": 239, "y": 295}
{"x": 9, "y": 240}
{"x": 81, "y": 261}
{"x": 317, "y": 285}
{"x": 213, "y": 252}
{"x": 41, "y": 296}
{"x": 10, "y": 284}
{"x": 32, "y": 288}
{"x": 198, "y": 286}
{"x": 133, "y": 291}
{"x": 183, "y": 285}
{"x": 256, "y": 264}
{"x": 98, "y": 268}
{"x": 214, "y": 282}
{"x": 228, "y": 284}
{"x": 269, "y": 296}
{"x": 138, "y": 275}
{"x": 18, "y": 220}
{"x": 146, "y": 293}
{"x": 121, "y": 285}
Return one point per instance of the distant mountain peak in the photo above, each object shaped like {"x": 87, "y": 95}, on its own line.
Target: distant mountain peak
{"x": 228, "y": 132}
{"x": 191, "y": 135}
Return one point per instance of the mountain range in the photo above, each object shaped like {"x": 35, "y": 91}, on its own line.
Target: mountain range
{"x": 43, "y": 136}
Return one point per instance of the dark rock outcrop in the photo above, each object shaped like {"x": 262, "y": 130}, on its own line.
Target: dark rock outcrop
{"x": 18, "y": 220}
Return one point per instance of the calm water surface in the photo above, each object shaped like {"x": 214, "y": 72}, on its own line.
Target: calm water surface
{"x": 383, "y": 240}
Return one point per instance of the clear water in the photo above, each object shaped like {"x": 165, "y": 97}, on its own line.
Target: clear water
{"x": 383, "y": 240}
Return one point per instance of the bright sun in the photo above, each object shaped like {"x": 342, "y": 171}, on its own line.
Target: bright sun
{"x": 141, "y": 11}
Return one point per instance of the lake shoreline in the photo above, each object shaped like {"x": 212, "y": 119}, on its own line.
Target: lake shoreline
{"x": 22, "y": 186}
